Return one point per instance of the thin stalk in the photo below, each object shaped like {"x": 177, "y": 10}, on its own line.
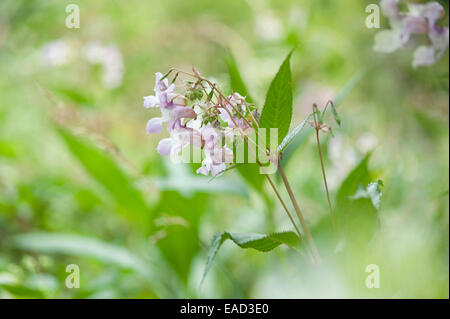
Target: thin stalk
{"x": 299, "y": 214}
{"x": 281, "y": 201}
{"x": 316, "y": 127}
{"x": 287, "y": 212}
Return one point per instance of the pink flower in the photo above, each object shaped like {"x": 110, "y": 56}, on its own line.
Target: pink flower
{"x": 215, "y": 155}
{"x": 209, "y": 136}
{"x": 420, "y": 19}
{"x": 178, "y": 113}
{"x": 172, "y": 109}
{"x": 390, "y": 8}
{"x": 237, "y": 101}
{"x": 151, "y": 101}
{"x": 208, "y": 165}
{"x": 154, "y": 125}
{"x": 165, "y": 146}
{"x": 215, "y": 160}
{"x": 197, "y": 125}
{"x": 180, "y": 138}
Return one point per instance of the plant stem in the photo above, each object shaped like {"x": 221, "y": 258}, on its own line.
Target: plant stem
{"x": 287, "y": 210}
{"x": 316, "y": 127}
{"x": 325, "y": 178}
{"x": 299, "y": 214}
{"x": 284, "y": 205}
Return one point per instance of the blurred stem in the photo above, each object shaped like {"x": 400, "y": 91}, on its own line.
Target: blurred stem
{"x": 286, "y": 209}
{"x": 299, "y": 214}
{"x": 317, "y": 128}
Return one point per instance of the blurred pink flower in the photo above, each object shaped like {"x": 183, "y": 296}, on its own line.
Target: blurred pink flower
{"x": 420, "y": 19}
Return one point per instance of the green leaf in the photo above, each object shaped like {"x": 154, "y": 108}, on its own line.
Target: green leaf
{"x": 277, "y": 111}
{"x": 372, "y": 191}
{"x": 236, "y": 82}
{"x": 21, "y": 291}
{"x": 75, "y": 95}
{"x": 75, "y": 245}
{"x": 335, "y": 114}
{"x": 180, "y": 179}
{"x": 7, "y": 149}
{"x": 359, "y": 176}
{"x": 166, "y": 75}
{"x": 293, "y": 133}
{"x": 260, "y": 242}
{"x": 249, "y": 171}
{"x": 104, "y": 170}
{"x": 179, "y": 243}
{"x": 356, "y": 216}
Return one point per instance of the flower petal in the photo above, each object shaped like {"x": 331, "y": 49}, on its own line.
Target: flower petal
{"x": 389, "y": 8}
{"x": 154, "y": 125}
{"x": 202, "y": 170}
{"x": 218, "y": 169}
{"x": 160, "y": 85}
{"x": 413, "y": 25}
{"x": 439, "y": 39}
{"x": 387, "y": 41}
{"x": 424, "y": 55}
{"x": 165, "y": 146}
{"x": 433, "y": 11}
{"x": 151, "y": 101}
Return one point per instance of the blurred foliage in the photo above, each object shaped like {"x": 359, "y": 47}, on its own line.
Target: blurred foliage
{"x": 81, "y": 182}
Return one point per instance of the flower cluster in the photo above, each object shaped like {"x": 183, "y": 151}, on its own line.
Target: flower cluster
{"x": 201, "y": 117}
{"x": 419, "y": 19}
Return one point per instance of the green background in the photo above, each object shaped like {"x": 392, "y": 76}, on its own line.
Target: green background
{"x": 81, "y": 183}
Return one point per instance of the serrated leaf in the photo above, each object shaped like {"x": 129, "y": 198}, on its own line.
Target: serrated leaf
{"x": 293, "y": 133}
{"x": 104, "y": 170}
{"x": 277, "y": 111}
{"x": 260, "y": 242}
